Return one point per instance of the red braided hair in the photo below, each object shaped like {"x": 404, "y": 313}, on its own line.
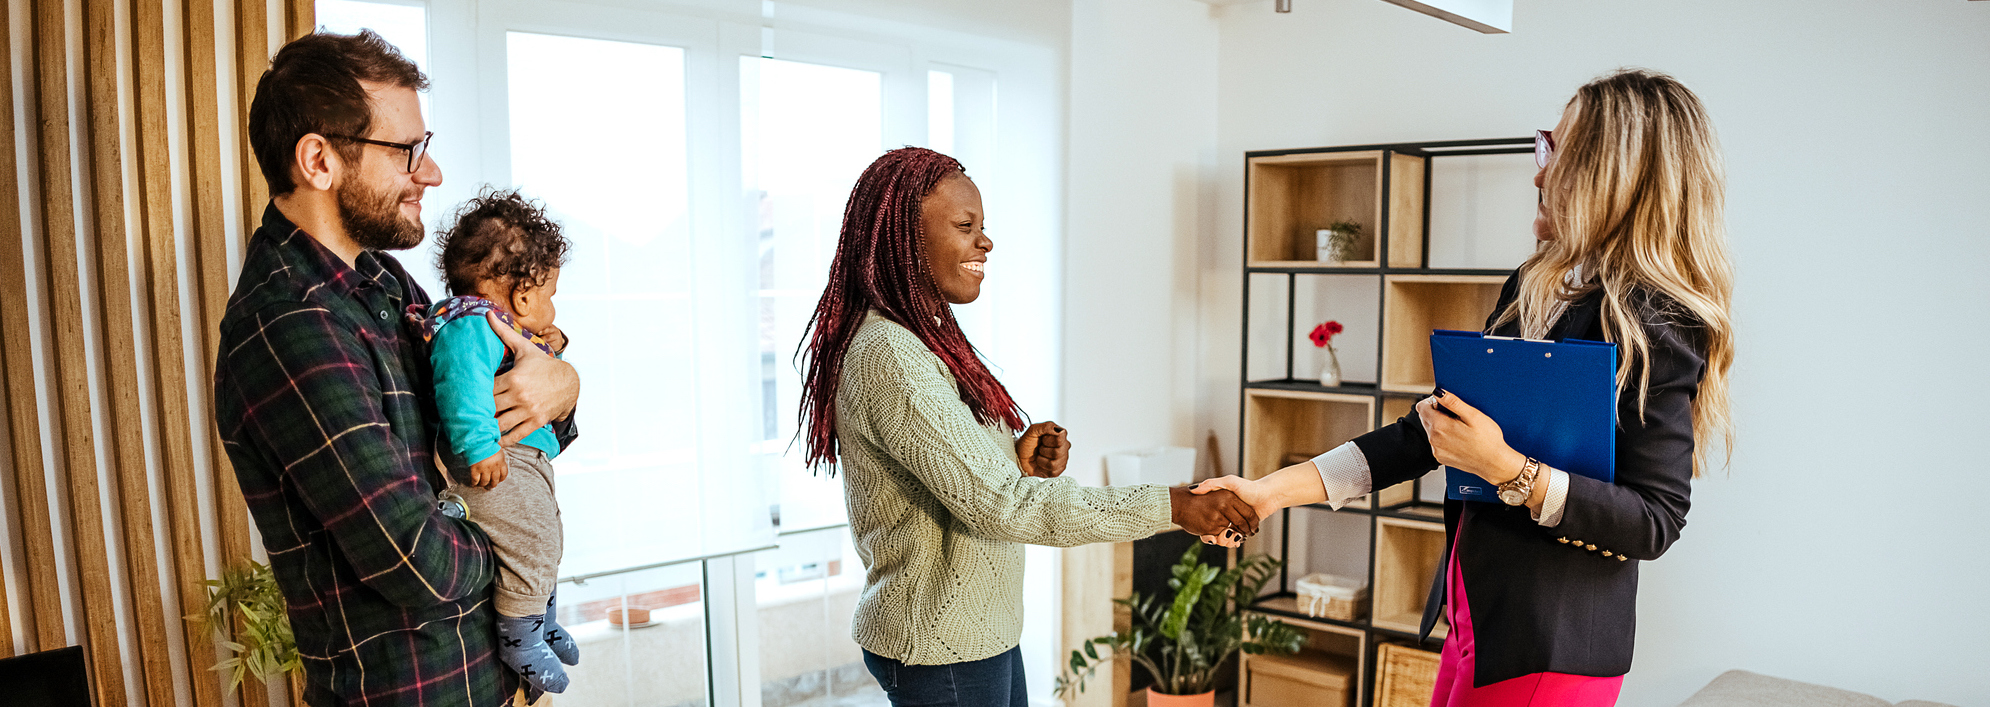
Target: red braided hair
{"x": 881, "y": 264}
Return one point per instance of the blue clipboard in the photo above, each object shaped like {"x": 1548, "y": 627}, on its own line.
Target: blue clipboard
{"x": 1556, "y": 401}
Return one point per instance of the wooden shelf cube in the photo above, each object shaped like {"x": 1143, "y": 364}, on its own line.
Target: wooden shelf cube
{"x": 1482, "y": 210}
{"x": 1416, "y": 305}
{"x": 1349, "y": 299}
{"x": 1394, "y": 408}
{"x": 1292, "y": 196}
{"x": 1280, "y": 422}
{"x": 1404, "y": 676}
{"x": 1406, "y": 555}
{"x": 1406, "y": 196}
{"x": 1326, "y": 673}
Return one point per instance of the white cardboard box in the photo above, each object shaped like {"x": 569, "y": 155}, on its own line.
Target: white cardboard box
{"x": 1167, "y": 466}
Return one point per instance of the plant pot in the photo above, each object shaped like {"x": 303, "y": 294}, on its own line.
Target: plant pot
{"x": 630, "y": 617}
{"x": 1325, "y": 247}
{"x": 1155, "y": 699}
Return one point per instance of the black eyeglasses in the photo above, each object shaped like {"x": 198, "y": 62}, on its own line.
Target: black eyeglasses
{"x": 416, "y": 150}
{"x": 1544, "y": 148}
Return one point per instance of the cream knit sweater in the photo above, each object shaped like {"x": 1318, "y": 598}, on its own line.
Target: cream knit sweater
{"x": 939, "y": 509}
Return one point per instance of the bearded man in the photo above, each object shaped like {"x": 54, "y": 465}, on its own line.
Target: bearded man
{"x": 323, "y": 399}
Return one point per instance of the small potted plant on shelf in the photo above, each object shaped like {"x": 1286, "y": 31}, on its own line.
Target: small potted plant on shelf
{"x": 1323, "y": 337}
{"x": 1184, "y": 640}
{"x": 1332, "y": 243}
{"x": 247, "y": 599}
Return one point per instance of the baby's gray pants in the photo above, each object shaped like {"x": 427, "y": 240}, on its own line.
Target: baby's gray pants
{"x": 523, "y": 519}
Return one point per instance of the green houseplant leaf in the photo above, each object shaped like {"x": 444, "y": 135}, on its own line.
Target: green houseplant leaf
{"x": 246, "y": 615}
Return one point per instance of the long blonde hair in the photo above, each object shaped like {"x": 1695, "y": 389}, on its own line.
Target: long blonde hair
{"x": 1635, "y": 194}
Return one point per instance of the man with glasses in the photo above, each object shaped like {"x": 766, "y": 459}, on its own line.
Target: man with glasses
{"x": 323, "y": 398}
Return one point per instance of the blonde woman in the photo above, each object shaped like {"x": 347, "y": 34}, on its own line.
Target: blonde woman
{"x": 1631, "y": 251}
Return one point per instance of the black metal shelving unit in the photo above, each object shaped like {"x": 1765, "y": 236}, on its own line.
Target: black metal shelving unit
{"x": 1415, "y": 508}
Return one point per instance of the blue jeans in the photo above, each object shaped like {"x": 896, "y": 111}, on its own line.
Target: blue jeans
{"x": 989, "y": 682}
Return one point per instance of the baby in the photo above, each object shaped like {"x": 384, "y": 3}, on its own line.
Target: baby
{"x": 503, "y": 256}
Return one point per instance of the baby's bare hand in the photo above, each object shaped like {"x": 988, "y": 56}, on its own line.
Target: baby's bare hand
{"x": 487, "y": 474}
{"x": 554, "y": 338}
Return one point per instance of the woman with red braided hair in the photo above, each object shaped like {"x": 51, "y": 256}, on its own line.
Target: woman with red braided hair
{"x": 942, "y": 493}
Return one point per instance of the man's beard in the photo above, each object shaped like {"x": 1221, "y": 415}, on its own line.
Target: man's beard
{"x": 373, "y": 220}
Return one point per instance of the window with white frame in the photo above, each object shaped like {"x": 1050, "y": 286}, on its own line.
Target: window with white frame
{"x": 807, "y": 131}
{"x": 699, "y": 156}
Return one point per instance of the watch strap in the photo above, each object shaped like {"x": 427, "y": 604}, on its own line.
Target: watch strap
{"x": 1520, "y": 486}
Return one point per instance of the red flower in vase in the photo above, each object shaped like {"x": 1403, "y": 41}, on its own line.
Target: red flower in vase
{"x": 1323, "y": 335}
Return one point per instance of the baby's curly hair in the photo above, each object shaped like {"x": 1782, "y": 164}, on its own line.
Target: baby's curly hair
{"x": 500, "y": 235}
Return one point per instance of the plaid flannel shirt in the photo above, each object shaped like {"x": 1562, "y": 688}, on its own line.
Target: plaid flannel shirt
{"x": 322, "y": 399}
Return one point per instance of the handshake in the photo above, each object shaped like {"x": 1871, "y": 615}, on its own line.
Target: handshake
{"x": 1218, "y": 515}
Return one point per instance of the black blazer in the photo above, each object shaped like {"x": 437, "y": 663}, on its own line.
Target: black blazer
{"x": 1564, "y": 599}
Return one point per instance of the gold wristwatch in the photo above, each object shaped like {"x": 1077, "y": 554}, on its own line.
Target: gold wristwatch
{"x": 1515, "y": 492}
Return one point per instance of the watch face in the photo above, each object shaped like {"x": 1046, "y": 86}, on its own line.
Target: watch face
{"x": 1514, "y": 497}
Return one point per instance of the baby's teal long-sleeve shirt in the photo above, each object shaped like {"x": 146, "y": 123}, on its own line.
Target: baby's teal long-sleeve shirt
{"x": 466, "y": 355}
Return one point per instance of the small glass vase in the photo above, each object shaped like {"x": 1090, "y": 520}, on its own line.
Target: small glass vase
{"x": 1330, "y": 371}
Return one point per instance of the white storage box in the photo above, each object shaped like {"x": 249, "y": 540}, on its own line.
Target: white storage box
{"x": 1333, "y": 597}
{"x": 1167, "y": 466}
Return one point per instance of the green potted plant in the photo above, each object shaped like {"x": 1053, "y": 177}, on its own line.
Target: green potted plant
{"x": 1183, "y": 640}
{"x": 247, "y": 599}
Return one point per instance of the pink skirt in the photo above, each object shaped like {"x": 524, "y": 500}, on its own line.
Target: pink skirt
{"x": 1458, "y": 665}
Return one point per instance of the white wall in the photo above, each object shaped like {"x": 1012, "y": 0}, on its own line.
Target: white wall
{"x": 1844, "y": 546}
{"x": 1142, "y": 137}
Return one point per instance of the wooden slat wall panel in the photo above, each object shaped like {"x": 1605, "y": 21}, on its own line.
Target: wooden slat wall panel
{"x": 301, "y": 18}
{"x": 208, "y": 164}
{"x": 168, "y": 372}
{"x": 94, "y": 282}
{"x": 58, "y": 230}
{"x": 17, "y": 404}
{"x": 66, "y": 278}
{"x": 251, "y": 58}
{"x": 162, "y": 247}
{"x": 121, "y": 360}
{"x": 209, "y": 258}
{"x": 31, "y": 487}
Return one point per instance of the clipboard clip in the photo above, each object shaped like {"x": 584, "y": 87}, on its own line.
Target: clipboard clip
{"x": 1516, "y": 338}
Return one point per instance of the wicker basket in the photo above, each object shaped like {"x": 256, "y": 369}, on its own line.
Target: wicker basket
{"x": 1406, "y": 676}
{"x": 1338, "y": 598}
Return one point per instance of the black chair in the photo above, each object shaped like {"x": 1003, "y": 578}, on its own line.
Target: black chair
{"x": 57, "y": 678}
